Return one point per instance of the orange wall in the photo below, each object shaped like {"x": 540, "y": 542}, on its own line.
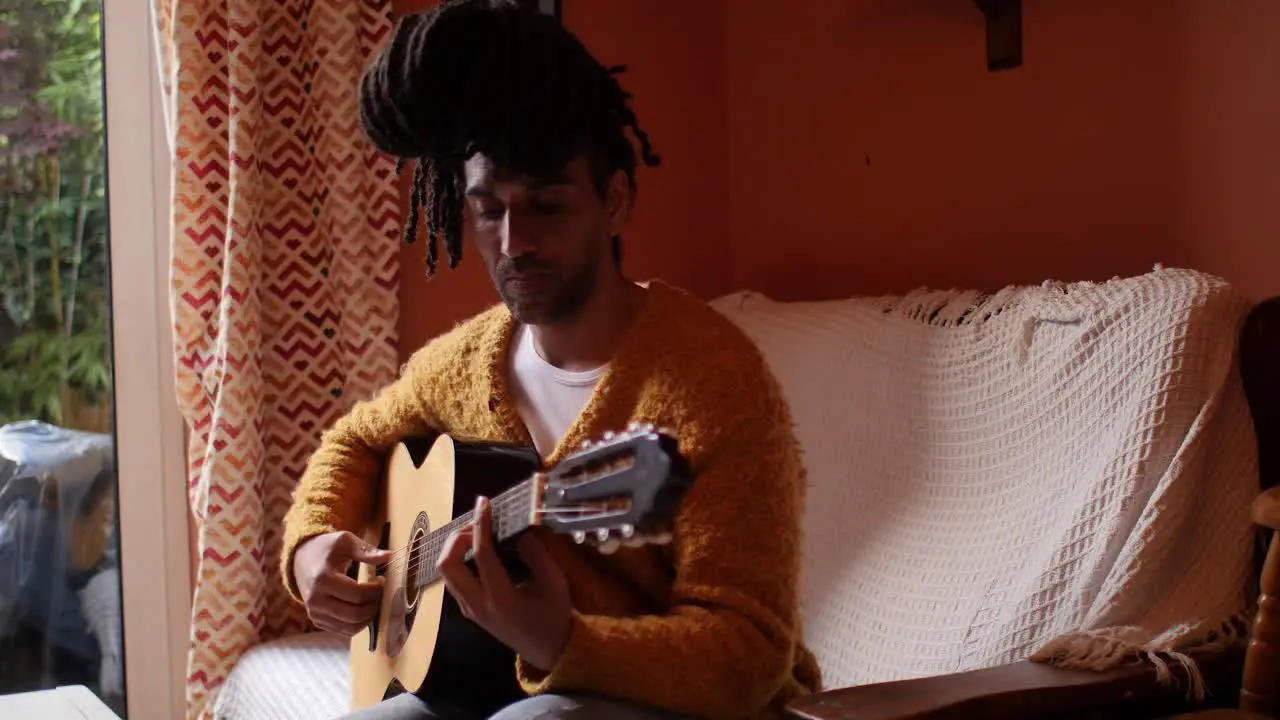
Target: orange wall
{"x": 871, "y": 151}
{"x": 860, "y": 146}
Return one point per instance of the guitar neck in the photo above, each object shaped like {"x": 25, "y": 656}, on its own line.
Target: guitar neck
{"x": 511, "y": 514}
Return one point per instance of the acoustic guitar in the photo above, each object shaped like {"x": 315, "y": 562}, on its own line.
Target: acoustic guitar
{"x": 621, "y": 490}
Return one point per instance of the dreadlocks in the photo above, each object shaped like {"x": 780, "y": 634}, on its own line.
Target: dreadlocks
{"x": 492, "y": 77}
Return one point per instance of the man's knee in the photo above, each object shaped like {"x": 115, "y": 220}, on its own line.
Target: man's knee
{"x": 404, "y": 706}
{"x": 577, "y": 707}
{"x": 544, "y": 707}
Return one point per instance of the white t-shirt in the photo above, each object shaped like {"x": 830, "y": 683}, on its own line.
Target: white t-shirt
{"x": 548, "y": 398}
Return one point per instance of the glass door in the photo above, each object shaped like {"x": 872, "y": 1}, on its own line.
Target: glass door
{"x": 60, "y": 600}
{"x": 93, "y": 534}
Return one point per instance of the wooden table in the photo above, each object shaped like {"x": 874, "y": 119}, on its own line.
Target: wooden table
{"x": 68, "y": 702}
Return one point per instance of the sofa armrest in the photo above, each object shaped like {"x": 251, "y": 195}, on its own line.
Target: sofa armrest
{"x": 1028, "y": 690}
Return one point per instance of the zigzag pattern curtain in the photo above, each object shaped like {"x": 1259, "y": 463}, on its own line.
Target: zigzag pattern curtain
{"x": 286, "y": 224}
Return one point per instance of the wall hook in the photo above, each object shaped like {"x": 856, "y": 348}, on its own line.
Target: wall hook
{"x": 1004, "y": 33}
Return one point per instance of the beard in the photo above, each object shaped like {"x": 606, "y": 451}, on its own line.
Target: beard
{"x": 558, "y": 298}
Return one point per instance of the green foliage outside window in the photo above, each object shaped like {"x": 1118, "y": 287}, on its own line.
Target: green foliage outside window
{"x": 54, "y": 304}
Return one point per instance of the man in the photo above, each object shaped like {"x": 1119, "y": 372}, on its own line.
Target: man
{"x": 516, "y": 128}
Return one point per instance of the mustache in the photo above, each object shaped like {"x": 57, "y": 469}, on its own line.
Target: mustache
{"x": 523, "y": 265}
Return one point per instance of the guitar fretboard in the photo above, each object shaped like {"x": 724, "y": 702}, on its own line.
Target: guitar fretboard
{"x": 510, "y": 516}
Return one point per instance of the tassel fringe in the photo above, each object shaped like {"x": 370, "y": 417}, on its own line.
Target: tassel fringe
{"x": 1110, "y": 648}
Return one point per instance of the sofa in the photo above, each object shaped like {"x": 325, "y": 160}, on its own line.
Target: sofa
{"x": 1023, "y": 503}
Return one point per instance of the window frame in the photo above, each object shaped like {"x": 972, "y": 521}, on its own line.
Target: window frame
{"x": 149, "y": 428}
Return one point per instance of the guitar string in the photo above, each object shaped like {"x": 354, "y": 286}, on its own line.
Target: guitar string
{"x": 401, "y": 554}
{"x": 433, "y": 544}
{"x": 432, "y": 547}
{"x": 510, "y": 506}
{"x": 501, "y": 504}
{"x": 431, "y": 554}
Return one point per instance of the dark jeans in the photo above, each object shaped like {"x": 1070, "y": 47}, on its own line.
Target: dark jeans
{"x": 541, "y": 707}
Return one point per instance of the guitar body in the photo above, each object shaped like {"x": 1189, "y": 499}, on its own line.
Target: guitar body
{"x": 621, "y": 490}
{"x": 420, "y": 642}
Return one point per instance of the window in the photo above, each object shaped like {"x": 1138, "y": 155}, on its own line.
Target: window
{"x": 92, "y": 497}
{"x": 60, "y": 613}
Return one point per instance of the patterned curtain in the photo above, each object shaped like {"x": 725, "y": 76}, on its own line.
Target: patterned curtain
{"x": 285, "y": 266}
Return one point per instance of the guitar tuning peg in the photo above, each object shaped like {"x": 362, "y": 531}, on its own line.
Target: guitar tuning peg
{"x": 633, "y": 426}
{"x": 627, "y": 530}
{"x": 609, "y": 435}
{"x": 579, "y": 536}
{"x": 602, "y": 534}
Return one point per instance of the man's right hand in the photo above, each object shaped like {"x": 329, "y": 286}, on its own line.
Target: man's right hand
{"x": 334, "y": 601}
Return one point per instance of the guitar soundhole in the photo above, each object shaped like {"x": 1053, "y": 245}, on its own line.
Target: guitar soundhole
{"x": 421, "y": 561}
{"x": 415, "y": 569}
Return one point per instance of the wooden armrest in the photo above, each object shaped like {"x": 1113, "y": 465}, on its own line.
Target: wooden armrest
{"x": 1027, "y": 690}
{"x": 1266, "y": 508}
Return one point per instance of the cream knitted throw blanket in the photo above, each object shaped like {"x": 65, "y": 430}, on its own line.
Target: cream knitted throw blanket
{"x": 1061, "y": 472}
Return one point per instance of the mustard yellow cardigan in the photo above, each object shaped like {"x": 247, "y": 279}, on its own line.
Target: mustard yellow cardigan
{"x": 708, "y": 626}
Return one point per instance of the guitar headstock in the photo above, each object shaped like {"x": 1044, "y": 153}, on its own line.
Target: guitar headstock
{"x": 620, "y": 490}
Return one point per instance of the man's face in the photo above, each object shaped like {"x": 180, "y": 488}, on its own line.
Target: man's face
{"x": 545, "y": 241}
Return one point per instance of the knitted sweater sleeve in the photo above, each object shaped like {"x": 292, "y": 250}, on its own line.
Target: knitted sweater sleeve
{"x": 728, "y": 642}
{"x": 338, "y": 488}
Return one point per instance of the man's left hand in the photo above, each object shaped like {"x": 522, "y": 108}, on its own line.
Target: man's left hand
{"x": 532, "y": 619}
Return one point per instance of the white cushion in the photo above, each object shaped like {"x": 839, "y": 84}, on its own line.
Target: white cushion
{"x": 300, "y": 677}
{"x": 977, "y": 464}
